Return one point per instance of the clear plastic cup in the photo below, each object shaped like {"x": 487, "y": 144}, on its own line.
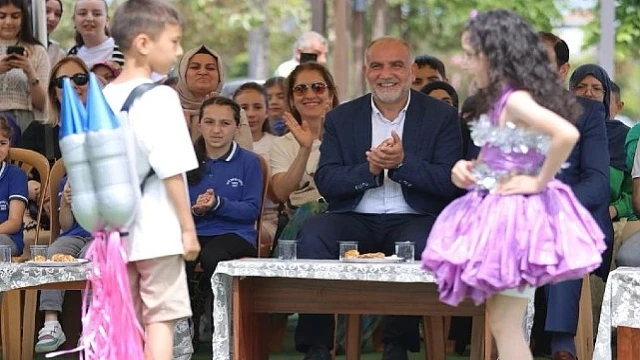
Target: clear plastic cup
{"x": 287, "y": 249}
{"x": 406, "y": 250}
{"x": 347, "y": 246}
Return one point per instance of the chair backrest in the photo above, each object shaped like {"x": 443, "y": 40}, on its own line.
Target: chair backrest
{"x": 29, "y": 160}
{"x": 57, "y": 172}
{"x": 263, "y": 249}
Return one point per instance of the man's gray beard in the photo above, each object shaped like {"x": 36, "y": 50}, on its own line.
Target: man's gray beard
{"x": 389, "y": 97}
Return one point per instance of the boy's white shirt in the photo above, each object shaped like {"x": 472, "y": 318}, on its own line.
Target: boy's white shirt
{"x": 162, "y": 141}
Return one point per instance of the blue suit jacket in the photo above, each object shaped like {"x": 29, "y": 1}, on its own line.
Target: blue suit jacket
{"x": 432, "y": 144}
{"x": 588, "y": 174}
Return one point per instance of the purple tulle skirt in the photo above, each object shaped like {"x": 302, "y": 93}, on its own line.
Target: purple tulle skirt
{"x": 484, "y": 243}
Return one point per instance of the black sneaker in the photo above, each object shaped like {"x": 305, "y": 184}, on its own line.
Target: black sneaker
{"x": 318, "y": 352}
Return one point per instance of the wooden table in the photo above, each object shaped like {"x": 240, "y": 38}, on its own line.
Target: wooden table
{"x": 17, "y": 279}
{"x": 17, "y": 345}
{"x": 247, "y": 290}
{"x": 256, "y": 297}
{"x": 621, "y": 310}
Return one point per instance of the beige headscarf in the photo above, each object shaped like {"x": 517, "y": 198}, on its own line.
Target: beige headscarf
{"x": 191, "y": 103}
{"x": 187, "y": 98}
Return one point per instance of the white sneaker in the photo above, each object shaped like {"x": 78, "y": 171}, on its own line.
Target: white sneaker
{"x": 50, "y": 337}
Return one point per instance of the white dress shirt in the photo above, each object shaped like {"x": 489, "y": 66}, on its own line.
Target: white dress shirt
{"x": 388, "y": 198}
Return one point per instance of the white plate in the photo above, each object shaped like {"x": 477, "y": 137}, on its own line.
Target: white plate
{"x": 57, "y": 263}
{"x": 388, "y": 259}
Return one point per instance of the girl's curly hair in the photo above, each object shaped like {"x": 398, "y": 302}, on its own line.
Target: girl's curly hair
{"x": 517, "y": 57}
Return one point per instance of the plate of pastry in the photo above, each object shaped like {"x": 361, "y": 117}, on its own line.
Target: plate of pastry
{"x": 353, "y": 256}
{"x": 56, "y": 260}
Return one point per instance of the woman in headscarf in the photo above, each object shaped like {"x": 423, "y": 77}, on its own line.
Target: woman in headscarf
{"x": 593, "y": 82}
{"x": 200, "y": 76}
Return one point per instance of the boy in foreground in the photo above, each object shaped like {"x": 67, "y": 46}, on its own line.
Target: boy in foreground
{"x": 163, "y": 234}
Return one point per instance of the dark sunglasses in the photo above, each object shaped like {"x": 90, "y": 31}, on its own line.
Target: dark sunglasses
{"x": 318, "y": 88}
{"x": 79, "y": 79}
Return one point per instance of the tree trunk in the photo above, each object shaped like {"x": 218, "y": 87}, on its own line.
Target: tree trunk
{"x": 358, "y": 48}
{"x": 341, "y": 47}
{"x": 319, "y": 16}
{"x": 378, "y": 19}
{"x": 258, "y": 46}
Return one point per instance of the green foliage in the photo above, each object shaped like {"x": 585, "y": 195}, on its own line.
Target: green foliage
{"x": 627, "y": 51}
{"x": 435, "y": 25}
{"x": 627, "y": 30}
{"x": 224, "y": 25}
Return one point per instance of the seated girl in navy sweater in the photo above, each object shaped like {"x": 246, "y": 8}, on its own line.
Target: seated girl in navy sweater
{"x": 226, "y": 190}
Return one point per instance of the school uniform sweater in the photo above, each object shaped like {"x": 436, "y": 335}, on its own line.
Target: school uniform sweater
{"x": 236, "y": 179}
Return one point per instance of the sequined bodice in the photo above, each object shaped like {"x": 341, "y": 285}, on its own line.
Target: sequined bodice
{"x": 506, "y": 150}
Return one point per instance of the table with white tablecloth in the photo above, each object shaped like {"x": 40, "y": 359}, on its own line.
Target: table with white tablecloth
{"x": 304, "y": 269}
{"x": 620, "y": 307}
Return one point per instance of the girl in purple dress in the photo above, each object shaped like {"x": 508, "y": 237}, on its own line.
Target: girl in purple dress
{"x": 517, "y": 228}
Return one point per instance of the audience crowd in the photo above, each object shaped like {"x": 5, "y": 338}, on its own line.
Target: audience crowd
{"x": 372, "y": 170}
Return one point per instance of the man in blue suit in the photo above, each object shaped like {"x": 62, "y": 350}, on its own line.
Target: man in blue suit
{"x": 588, "y": 177}
{"x": 385, "y": 170}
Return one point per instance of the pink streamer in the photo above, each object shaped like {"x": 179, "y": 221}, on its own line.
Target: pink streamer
{"x": 110, "y": 327}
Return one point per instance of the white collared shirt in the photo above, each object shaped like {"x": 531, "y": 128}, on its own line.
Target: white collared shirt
{"x": 388, "y": 198}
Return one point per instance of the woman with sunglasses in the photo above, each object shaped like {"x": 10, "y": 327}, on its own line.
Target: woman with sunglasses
{"x": 73, "y": 240}
{"x": 43, "y": 137}
{"x": 24, "y": 65}
{"x": 310, "y": 93}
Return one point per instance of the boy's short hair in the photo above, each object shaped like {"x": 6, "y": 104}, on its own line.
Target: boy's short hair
{"x": 615, "y": 89}
{"x": 441, "y": 85}
{"x": 135, "y": 17}
{"x": 5, "y": 127}
{"x": 560, "y": 47}
{"x": 432, "y": 62}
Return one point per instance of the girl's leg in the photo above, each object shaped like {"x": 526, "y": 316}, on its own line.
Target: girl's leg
{"x": 505, "y": 320}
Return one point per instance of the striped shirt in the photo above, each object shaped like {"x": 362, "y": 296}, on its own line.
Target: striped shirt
{"x": 107, "y": 51}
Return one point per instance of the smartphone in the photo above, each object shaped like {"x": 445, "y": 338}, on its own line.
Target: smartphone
{"x": 308, "y": 57}
{"x": 15, "y": 50}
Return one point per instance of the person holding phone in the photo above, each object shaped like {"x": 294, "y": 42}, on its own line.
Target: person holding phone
{"x": 310, "y": 46}
{"x": 24, "y": 65}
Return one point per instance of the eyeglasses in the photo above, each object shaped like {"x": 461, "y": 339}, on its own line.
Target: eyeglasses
{"x": 582, "y": 89}
{"x": 79, "y": 79}
{"x": 318, "y": 88}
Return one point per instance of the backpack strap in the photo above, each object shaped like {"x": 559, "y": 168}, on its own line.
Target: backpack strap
{"x": 133, "y": 96}
{"x": 136, "y": 93}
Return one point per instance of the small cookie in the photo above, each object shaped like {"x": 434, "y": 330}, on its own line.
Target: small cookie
{"x": 351, "y": 254}
{"x": 62, "y": 258}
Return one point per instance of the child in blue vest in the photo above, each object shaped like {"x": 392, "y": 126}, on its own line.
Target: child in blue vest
{"x": 13, "y": 194}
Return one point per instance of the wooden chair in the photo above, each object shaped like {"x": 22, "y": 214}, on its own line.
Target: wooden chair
{"x": 264, "y": 246}
{"x": 584, "y": 335}
{"x": 28, "y": 161}
{"x": 57, "y": 172}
